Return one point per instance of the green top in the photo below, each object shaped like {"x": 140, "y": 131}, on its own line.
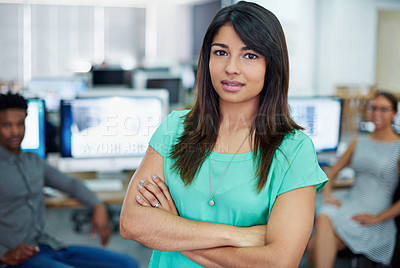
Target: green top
{"x": 236, "y": 199}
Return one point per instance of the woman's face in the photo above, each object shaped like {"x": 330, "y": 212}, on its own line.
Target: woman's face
{"x": 380, "y": 112}
{"x": 237, "y": 72}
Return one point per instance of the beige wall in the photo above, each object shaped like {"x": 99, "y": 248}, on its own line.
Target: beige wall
{"x": 388, "y": 51}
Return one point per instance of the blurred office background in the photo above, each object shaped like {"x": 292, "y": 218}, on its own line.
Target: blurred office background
{"x": 331, "y": 42}
{"x": 340, "y": 52}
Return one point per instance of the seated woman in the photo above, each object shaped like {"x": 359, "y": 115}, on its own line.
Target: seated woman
{"x": 363, "y": 221}
{"x": 240, "y": 173}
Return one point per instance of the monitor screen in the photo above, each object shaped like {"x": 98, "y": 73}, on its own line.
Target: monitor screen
{"x": 105, "y": 126}
{"x": 111, "y": 77}
{"x": 53, "y": 89}
{"x": 172, "y": 84}
{"x": 171, "y": 81}
{"x": 34, "y": 139}
{"x": 321, "y": 118}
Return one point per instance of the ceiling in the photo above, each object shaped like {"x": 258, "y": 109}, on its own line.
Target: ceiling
{"x": 109, "y": 3}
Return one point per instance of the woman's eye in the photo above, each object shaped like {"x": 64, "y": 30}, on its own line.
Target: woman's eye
{"x": 251, "y": 56}
{"x": 220, "y": 53}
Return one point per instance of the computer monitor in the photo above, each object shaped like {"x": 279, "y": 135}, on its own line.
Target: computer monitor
{"x": 321, "y": 119}
{"x": 396, "y": 121}
{"x": 34, "y": 140}
{"x": 110, "y": 125}
{"x": 111, "y": 77}
{"x": 172, "y": 84}
{"x": 161, "y": 80}
{"x": 53, "y": 89}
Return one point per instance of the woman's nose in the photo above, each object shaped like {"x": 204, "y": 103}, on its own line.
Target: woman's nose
{"x": 232, "y": 66}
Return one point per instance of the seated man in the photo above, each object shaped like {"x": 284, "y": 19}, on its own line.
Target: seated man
{"x": 24, "y": 241}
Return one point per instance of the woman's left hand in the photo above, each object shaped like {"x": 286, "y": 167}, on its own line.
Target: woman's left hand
{"x": 156, "y": 195}
{"x": 366, "y": 219}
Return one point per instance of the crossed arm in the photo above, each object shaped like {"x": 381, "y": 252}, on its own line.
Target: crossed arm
{"x": 279, "y": 244}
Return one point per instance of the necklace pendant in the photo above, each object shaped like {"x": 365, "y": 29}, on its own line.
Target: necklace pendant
{"x": 211, "y": 202}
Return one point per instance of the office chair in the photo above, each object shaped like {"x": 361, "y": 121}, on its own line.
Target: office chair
{"x": 396, "y": 255}
{"x": 360, "y": 261}
{"x": 82, "y": 217}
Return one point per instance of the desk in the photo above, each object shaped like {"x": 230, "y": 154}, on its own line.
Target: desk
{"x": 83, "y": 169}
{"x": 104, "y": 164}
{"x": 109, "y": 195}
{"x": 82, "y": 216}
{"x": 108, "y": 198}
{"x": 343, "y": 183}
{"x": 90, "y": 171}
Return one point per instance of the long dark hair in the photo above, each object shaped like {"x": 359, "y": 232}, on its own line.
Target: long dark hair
{"x": 261, "y": 31}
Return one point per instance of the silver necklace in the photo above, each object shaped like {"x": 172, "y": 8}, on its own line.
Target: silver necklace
{"x": 212, "y": 194}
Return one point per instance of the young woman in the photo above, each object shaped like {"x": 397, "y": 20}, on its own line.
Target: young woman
{"x": 242, "y": 178}
{"x": 364, "y": 220}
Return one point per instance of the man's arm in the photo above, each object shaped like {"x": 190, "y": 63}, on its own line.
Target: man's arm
{"x": 3, "y": 251}
{"x": 69, "y": 185}
{"x": 75, "y": 188}
{"x": 19, "y": 254}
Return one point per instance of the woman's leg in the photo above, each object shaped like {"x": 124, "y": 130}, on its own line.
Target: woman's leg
{"x": 325, "y": 244}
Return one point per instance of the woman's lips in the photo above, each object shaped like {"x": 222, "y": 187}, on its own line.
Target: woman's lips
{"x": 229, "y": 85}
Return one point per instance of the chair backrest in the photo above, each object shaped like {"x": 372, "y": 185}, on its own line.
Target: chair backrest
{"x": 396, "y": 254}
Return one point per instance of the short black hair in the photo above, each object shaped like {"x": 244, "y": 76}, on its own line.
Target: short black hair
{"x": 10, "y": 100}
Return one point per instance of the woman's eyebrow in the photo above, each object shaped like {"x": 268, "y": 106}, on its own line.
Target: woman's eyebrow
{"x": 245, "y": 48}
{"x": 220, "y": 45}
